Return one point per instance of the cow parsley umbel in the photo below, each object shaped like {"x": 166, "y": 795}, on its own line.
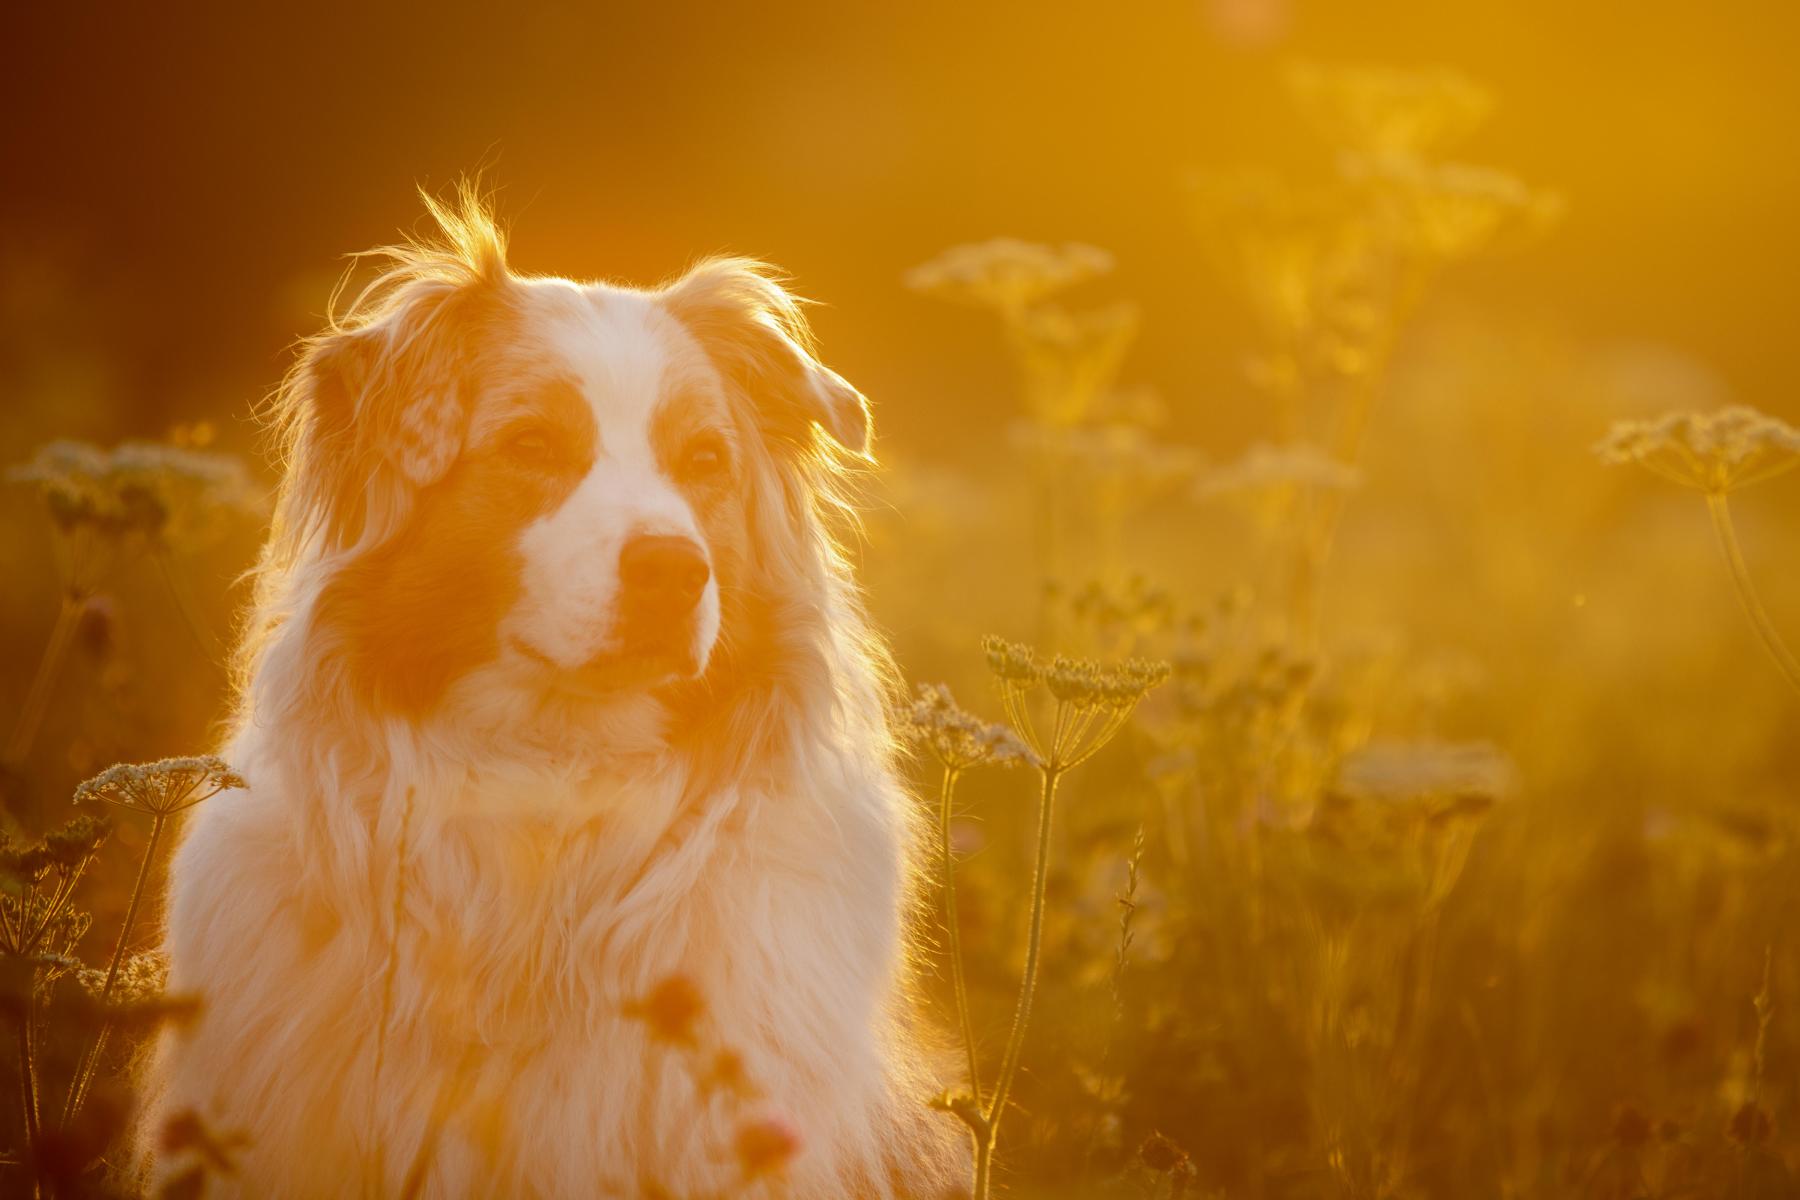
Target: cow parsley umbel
{"x": 107, "y": 506}
{"x": 39, "y": 930}
{"x": 1083, "y": 704}
{"x": 161, "y": 790}
{"x": 1716, "y": 453}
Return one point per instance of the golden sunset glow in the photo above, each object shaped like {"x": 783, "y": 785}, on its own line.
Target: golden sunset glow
{"x": 818, "y": 602}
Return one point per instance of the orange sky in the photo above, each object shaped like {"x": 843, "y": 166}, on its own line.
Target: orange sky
{"x": 192, "y": 183}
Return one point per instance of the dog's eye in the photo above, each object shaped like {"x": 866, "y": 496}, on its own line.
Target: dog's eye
{"x": 530, "y": 445}
{"x": 702, "y": 458}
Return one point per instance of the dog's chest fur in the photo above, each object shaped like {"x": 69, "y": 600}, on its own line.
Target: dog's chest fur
{"x": 492, "y": 986}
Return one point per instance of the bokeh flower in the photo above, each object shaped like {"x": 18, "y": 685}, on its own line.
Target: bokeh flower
{"x": 1070, "y": 359}
{"x": 1386, "y": 110}
{"x": 104, "y": 505}
{"x": 764, "y": 1146}
{"x": 1289, "y": 465}
{"x": 1444, "y": 212}
{"x": 1714, "y": 452}
{"x": 671, "y": 1011}
{"x": 1005, "y": 274}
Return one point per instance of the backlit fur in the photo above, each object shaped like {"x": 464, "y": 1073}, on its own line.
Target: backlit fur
{"x": 478, "y": 830}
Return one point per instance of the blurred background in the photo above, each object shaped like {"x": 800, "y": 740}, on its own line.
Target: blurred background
{"x": 179, "y": 196}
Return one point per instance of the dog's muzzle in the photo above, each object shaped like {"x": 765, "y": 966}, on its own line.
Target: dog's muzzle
{"x": 661, "y": 580}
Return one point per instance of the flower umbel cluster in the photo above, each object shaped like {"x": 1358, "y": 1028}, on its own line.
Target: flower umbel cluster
{"x": 1264, "y": 467}
{"x": 1092, "y": 700}
{"x": 1382, "y": 110}
{"x": 1715, "y": 452}
{"x": 161, "y": 788}
{"x": 37, "y": 883}
{"x": 957, "y": 738}
{"x": 139, "y": 495}
{"x": 1445, "y": 212}
{"x": 142, "y": 978}
{"x": 1006, "y": 274}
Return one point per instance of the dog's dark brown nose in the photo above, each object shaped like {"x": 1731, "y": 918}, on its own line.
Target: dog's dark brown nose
{"x": 663, "y": 572}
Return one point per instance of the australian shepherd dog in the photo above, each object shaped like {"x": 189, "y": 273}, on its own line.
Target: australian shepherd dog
{"x": 572, "y": 860}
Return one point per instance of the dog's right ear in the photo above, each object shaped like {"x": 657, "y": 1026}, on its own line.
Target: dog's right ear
{"x": 377, "y": 413}
{"x": 377, "y": 406}
{"x": 375, "y": 416}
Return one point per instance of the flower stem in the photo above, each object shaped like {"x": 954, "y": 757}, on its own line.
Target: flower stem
{"x": 952, "y": 923}
{"x": 90, "y": 1062}
{"x": 43, "y": 683}
{"x": 28, "y": 1092}
{"x": 1015, "y": 1041}
{"x": 1765, "y": 629}
{"x": 183, "y": 597}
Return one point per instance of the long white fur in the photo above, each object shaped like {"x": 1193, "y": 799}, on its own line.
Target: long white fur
{"x": 552, "y": 865}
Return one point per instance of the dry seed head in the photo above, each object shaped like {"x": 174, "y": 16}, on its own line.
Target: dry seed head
{"x": 1073, "y": 681}
{"x": 1714, "y": 452}
{"x": 74, "y": 842}
{"x": 24, "y": 865}
{"x": 141, "y": 978}
{"x": 163, "y": 787}
{"x": 1012, "y": 662}
{"x": 175, "y": 496}
{"x": 958, "y": 739}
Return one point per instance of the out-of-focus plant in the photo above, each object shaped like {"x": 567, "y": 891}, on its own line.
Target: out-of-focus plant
{"x": 107, "y": 506}
{"x": 1078, "y": 443}
{"x": 1006, "y": 275}
{"x": 1715, "y": 454}
{"x": 677, "y": 1020}
{"x": 161, "y": 790}
{"x": 1105, "y": 472}
{"x": 1333, "y": 271}
{"x": 39, "y": 930}
{"x": 959, "y": 742}
{"x": 1080, "y": 706}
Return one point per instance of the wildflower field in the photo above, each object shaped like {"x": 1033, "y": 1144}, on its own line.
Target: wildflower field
{"x": 1347, "y": 613}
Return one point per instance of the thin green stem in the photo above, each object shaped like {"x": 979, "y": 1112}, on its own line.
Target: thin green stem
{"x": 953, "y": 924}
{"x": 185, "y": 607}
{"x": 90, "y": 1061}
{"x": 1765, "y": 629}
{"x": 1015, "y": 1041}
{"x": 43, "y": 682}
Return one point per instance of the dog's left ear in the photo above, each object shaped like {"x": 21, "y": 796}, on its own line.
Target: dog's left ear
{"x": 755, "y": 332}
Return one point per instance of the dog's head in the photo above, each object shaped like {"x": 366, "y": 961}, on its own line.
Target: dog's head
{"x": 566, "y": 488}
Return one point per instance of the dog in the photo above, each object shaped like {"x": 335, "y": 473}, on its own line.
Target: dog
{"x": 572, "y": 860}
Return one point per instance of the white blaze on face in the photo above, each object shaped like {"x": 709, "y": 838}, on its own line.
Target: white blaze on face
{"x": 622, "y": 353}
